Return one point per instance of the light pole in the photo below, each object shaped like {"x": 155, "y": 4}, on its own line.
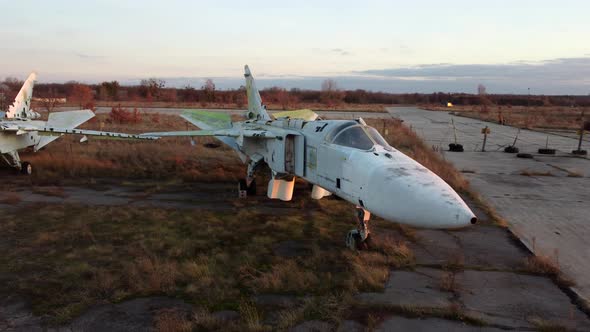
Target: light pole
{"x": 528, "y": 103}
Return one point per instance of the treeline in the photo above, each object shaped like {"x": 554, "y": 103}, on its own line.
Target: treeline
{"x": 153, "y": 89}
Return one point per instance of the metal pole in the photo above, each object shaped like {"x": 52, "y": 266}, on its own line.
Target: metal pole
{"x": 581, "y": 133}
{"x": 454, "y": 130}
{"x": 485, "y": 138}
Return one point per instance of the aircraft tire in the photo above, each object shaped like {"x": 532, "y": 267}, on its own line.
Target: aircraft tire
{"x": 26, "y": 168}
{"x": 251, "y": 189}
{"x": 546, "y": 151}
{"x": 353, "y": 241}
{"x": 455, "y": 147}
{"x": 511, "y": 149}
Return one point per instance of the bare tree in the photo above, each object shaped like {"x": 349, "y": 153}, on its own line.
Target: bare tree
{"x": 4, "y": 91}
{"x": 152, "y": 88}
{"x": 209, "y": 89}
{"x": 481, "y": 89}
{"x": 49, "y": 100}
{"x": 330, "y": 94}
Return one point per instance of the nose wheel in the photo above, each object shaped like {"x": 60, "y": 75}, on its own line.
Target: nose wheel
{"x": 360, "y": 238}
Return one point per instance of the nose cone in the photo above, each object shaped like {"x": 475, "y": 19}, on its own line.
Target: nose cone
{"x": 413, "y": 195}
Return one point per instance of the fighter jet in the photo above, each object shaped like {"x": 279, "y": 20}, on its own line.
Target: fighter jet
{"x": 342, "y": 157}
{"x": 20, "y": 129}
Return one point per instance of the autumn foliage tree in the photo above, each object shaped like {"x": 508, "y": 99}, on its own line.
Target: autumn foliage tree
{"x": 120, "y": 114}
{"x": 109, "y": 90}
{"x": 82, "y": 95}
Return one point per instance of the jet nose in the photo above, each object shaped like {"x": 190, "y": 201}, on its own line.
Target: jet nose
{"x": 411, "y": 194}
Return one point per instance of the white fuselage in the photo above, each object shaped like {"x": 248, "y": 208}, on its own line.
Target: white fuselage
{"x": 381, "y": 180}
{"x": 9, "y": 141}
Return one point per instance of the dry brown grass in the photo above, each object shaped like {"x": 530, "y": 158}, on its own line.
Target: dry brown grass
{"x": 152, "y": 275}
{"x": 285, "y": 276}
{"x": 541, "y": 264}
{"x": 163, "y": 159}
{"x": 448, "y": 282}
{"x": 546, "y": 117}
{"x": 250, "y": 315}
{"x": 172, "y": 321}
{"x": 10, "y": 198}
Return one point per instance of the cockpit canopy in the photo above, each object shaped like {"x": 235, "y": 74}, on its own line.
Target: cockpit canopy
{"x": 358, "y": 136}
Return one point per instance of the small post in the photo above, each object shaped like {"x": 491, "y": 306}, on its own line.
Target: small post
{"x": 579, "y": 151}
{"x": 581, "y": 133}
{"x": 454, "y": 130}
{"x": 516, "y": 137}
{"x": 485, "y": 131}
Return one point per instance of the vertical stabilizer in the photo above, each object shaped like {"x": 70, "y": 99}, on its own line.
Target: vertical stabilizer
{"x": 21, "y": 108}
{"x": 256, "y": 110}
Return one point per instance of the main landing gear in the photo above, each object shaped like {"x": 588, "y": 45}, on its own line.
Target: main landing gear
{"x": 12, "y": 159}
{"x": 360, "y": 238}
{"x": 247, "y": 187}
{"x": 26, "y": 168}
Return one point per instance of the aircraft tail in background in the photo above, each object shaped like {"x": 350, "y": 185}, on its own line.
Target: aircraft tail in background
{"x": 256, "y": 110}
{"x": 21, "y": 108}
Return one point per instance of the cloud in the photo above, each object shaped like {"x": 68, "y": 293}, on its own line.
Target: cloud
{"x": 561, "y": 69}
{"x": 90, "y": 57}
{"x": 332, "y": 51}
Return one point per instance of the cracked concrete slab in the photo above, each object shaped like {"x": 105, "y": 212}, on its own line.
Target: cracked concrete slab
{"x": 490, "y": 247}
{"x": 516, "y": 300}
{"x": 132, "y": 315}
{"x": 429, "y": 325}
{"x": 419, "y": 288}
{"x": 548, "y": 213}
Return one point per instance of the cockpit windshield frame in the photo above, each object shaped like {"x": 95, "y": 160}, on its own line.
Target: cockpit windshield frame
{"x": 358, "y": 136}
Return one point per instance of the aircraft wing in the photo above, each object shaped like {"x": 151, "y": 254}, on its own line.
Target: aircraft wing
{"x": 233, "y": 133}
{"x": 101, "y": 134}
{"x": 53, "y": 131}
{"x": 303, "y": 114}
{"x": 207, "y": 120}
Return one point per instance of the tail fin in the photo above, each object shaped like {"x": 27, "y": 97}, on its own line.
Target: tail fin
{"x": 21, "y": 108}
{"x": 256, "y": 110}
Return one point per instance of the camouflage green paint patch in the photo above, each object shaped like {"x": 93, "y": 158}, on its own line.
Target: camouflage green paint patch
{"x": 217, "y": 120}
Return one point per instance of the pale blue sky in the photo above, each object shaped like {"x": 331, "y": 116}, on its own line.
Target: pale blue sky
{"x": 127, "y": 40}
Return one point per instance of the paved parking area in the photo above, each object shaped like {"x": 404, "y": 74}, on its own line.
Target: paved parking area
{"x": 546, "y": 200}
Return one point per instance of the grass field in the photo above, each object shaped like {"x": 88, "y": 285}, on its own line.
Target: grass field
{"x": 545, "y": 117}
{"x": 67, "y": 258}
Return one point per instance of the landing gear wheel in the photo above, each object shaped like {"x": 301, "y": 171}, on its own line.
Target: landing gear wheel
{"x": 353, "y": 239}
{"x": 511, "y": 149}
{"x": 251, "y": 189}
{"x": 248, "y": 190}
{"x": 26, "y": 168}
{"x": 355, "y": 242}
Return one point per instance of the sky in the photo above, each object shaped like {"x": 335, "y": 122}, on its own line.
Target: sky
{"x": 394, "y": 46}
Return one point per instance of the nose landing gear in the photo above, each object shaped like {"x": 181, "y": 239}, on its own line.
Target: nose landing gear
{"x": 360, "y": 238}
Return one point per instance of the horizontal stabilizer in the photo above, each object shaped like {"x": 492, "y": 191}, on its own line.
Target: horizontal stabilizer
{"x": 304, "y": 114}
{"x": 44, "y": 140}
{"x": 69, "y": 119}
